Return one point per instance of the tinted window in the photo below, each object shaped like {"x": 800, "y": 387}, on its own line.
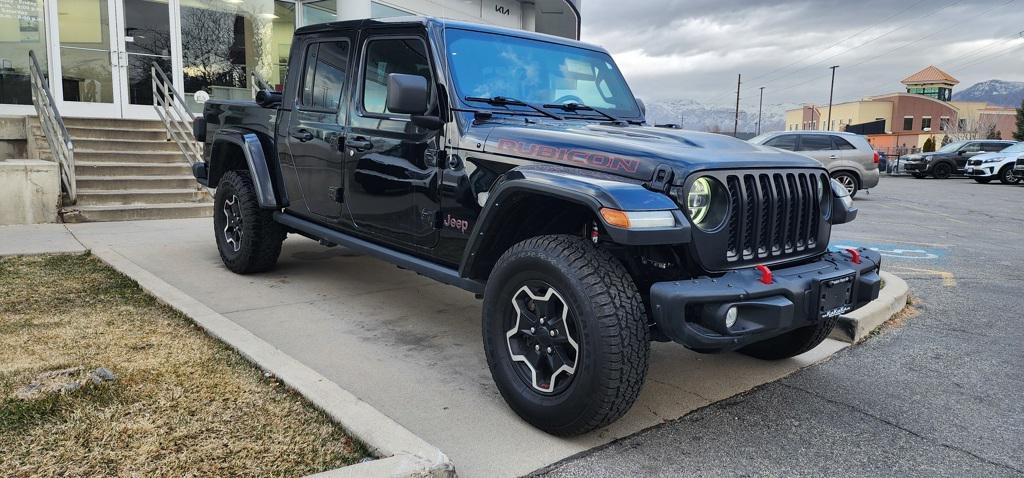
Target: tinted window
{"x": 383, "y": 57}
{"x": 908, "y": 124}
{"x": 993, "y": 147}
{"x": 815, "y": 142}
{"x": 840, "y": 143}
{"x": 324, "y": 78}
{"x": 971, "y": 147}
{"x": 786, "y": 141}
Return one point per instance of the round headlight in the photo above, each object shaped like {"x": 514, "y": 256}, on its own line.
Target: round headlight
{"x": 698, "y": 200}
{"x": 706, "y": 203}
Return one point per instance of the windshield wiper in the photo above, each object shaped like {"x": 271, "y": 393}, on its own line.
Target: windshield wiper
{"x": 574, "y": 107}
{"x": 503, "y": 101}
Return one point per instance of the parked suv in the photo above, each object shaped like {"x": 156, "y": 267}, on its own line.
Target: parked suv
{"x": 949, "y": 159}
{"x": 517, "y": 166}
{"x": 848, "y": 157}
{"x": 986, "y": 167}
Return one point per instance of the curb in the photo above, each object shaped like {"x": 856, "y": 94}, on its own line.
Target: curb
{"x": 857, "y": 325}
{"x": 400, "y": 452}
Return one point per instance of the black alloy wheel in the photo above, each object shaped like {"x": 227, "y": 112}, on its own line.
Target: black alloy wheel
{"x": 942, "y": 171}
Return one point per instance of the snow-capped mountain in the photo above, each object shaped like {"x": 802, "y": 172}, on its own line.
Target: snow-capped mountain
{"x": 996, "y": 92}
{"x": 696, "y": 116}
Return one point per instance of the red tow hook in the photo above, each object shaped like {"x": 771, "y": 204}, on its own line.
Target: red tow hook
{"x": 766, "y": 273}
{"x": 854, "y": 255}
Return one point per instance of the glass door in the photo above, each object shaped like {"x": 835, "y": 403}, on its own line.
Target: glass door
{"x": 89, "y": 80}
{"x": 145, "y": 39}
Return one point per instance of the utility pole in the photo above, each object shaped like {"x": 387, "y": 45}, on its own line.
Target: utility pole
{"x": 759, "y": 103}
{"x": 736, "y": 122}
{"x": 830, "y": 90}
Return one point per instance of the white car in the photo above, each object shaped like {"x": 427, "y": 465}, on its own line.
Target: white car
{"x": 999, "y": 165}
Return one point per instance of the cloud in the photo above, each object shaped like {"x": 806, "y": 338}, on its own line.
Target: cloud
{"x": 695, "y": 48}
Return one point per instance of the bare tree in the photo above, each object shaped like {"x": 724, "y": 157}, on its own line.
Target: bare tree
{"x": 967, "y": 129}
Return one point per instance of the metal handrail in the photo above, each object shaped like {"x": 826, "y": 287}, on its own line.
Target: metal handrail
{"x": 177, "y": 119}
{"x": 56, "y": 134}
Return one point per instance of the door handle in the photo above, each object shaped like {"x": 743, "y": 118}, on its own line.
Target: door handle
{"x": 832, "y": 156}
{"x": 302, "y": 134}
{"x": 359, "y": 143}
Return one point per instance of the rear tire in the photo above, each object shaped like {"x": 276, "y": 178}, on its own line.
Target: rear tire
{"x": 1006, "y": 175}
{"x": 849, "y": 181}
{"x": 248, "y": 238}
{"x": 565, "y": 333}
{"x": 792, "y": 343}
{"x": 942, "y": 171}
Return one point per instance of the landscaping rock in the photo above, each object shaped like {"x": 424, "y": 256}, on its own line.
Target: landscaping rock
{"x": 63, "y": 381}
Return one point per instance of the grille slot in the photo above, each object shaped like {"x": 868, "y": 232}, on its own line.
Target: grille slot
{"x": 772, "y": 214}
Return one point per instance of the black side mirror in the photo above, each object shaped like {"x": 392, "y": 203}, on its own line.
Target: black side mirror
{"x": 407, "y": 94}
{"x": 268, "y": 98}
{"x": 842, "y": 204}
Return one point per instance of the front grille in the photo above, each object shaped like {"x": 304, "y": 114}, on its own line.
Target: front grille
{"x": 773, "y": 214}
{"x": 1019, "y": 164}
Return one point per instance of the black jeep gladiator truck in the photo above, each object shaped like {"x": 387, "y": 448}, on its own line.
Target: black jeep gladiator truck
{"x": 518, "y": 166}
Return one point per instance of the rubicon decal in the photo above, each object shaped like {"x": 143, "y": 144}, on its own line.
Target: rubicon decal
{"x": 569, "y": 155}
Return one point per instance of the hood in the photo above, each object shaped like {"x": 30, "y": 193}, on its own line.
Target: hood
{"x": 633, "y": 151}
{"x": 996, "y": 155}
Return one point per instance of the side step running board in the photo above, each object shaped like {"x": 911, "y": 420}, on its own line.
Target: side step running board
{"x": 401, "y": 259}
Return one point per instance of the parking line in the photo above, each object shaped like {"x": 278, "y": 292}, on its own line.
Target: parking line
{"x": 921, "y": 209}
{"x": 948, "y": 279}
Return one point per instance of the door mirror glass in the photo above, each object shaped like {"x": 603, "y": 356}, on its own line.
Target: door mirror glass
{"x": 407, "y": 94}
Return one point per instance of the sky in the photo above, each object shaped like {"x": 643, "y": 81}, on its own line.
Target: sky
{"x": 693, "y": 49}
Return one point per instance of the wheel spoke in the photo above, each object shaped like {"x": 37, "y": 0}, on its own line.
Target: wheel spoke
{"x": 540, "y": 340}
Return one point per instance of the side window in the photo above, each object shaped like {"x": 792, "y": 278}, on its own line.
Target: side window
{"x": 786, "y": 141}
{"x": 324, "y": 78}
{"x": 971, "y": 148}
{"x": 840, "y": 143}
{"x": 384, "y": 57}
{"x": 815, "y": 142}
{"x": 993, "y": 147}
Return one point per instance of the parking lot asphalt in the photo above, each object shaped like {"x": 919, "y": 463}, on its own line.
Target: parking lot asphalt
{"x": 938, "y": 395}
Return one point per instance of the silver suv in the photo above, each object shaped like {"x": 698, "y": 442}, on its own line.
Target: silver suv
{"x": 848, "y": 157}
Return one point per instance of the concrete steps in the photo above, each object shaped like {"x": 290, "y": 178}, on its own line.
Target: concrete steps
{"x": 127, "y": 170}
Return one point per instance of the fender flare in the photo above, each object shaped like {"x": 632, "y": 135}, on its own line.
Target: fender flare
{"x": 592, "y": 190}
{"x": 252, "y": 149}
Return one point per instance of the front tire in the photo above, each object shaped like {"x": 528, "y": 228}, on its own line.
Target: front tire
{"x": 565, "y": 333}
{"x": 982, "y": 180}
{"x": 793, "y": 343}
{"x": 942, "y": 171}
{"x": 849, "y": 181}
{"x": 248, "y": 238}
{"x": 1006, "y": 175}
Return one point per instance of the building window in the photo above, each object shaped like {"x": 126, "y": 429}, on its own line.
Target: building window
{"x": 21, "y": 29}
{"x": 926, "y": 123}
{"x": 961, "y": 124}
{"x": 379, "y": 10}
{"x": 319, "y": 11}
{"x": 908, "y": 123}
{"x": 944, "y": 123}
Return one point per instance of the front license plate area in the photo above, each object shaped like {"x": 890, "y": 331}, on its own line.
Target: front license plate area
{"x": 834, "y": 296}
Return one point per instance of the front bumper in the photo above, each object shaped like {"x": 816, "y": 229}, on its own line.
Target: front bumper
{"x": 916, "y": 167}
{"x": 692, "y": 312}
{"x": 982, "y": 171}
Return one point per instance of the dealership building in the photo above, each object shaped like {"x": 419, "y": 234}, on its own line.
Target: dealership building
{"x": 97, "y": 54}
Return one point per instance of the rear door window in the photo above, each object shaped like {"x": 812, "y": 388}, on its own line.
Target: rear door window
{"x": 841, "y": 143}
{"x": 993, "y": 147}
{"x": 815, "y": 142}
{"x": 324, "y": 78}
{"x": 786, "y": 141}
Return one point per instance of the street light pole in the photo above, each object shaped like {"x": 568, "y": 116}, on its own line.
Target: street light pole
{"x": 828, "y": 125}
{"x": 759, "y": 103}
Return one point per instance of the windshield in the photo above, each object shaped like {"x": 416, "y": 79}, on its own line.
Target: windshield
{"x": 1015, "y": 148}
{"x": 951, "y": 147}
{"x": 488, "y": 65}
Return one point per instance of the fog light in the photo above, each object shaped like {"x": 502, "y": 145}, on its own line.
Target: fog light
{"x": 730, "y": 317}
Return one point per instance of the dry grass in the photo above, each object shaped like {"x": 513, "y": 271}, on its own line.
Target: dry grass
{"x": 183, "y": 404}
